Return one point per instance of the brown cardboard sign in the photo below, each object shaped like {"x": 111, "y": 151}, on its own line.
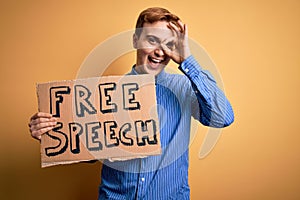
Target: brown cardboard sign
{"x": 100, "y": 118}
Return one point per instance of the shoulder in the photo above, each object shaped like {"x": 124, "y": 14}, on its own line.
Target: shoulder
{"x": 175, "y": 82}
{"x": 176, "y": 78}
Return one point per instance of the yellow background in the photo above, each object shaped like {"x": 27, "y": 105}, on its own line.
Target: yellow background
{"x": 255, "y": 45}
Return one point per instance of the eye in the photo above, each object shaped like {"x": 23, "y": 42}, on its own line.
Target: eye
{"x": 152, "y": 40}
{"x": 171, "y": 45}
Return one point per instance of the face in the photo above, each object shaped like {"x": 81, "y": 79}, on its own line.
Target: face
{"x": 151, "y": 58}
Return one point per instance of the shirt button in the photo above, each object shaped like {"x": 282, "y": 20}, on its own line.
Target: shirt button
{"x": 143, "y": 179}
{"x": 186, "y": 70}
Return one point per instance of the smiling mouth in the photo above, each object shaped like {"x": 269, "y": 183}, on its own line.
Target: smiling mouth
{"x": 155, "y": 60}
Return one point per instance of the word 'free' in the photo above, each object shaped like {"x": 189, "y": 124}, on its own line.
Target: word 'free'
{"x": 82, "y": 98}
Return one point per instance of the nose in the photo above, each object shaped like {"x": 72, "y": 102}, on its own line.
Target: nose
{"x": 159, "y": 52}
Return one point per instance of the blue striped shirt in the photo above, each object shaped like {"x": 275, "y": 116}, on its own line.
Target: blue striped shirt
{"x": 179, "y": 97}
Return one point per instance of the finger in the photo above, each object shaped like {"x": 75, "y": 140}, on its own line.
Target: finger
{"x": 186, "y": 31}
{"x": 173, "y": 27}
{"x": 181, "y": 25}
{"x": 170, "y": 43}
{"x": 38, "y": 133}
{"x": 166, "y": 50}
{"x": 42, "y": 120}
{"x": 180, "y": 29}
{"x": 42, "y": 125}
{"x": 41, "y": 114}
{"x": 41, "y": 129}
{"x": 186, "y": 34}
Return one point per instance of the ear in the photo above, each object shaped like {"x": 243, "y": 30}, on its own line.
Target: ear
{"x": 135, "y": 40}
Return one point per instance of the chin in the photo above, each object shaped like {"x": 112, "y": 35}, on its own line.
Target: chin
{"x": 155, "y": 70}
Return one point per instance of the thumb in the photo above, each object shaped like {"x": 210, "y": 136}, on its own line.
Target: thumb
{"x": 167, "y": 50}
{"x": 174, "y": 55}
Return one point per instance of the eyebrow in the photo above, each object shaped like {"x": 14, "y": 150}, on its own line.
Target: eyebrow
{"x": 153, "y": 36}
{"x": 158, "y": 39}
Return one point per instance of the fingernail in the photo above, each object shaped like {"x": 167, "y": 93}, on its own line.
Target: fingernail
{"x": 54, "y": 119}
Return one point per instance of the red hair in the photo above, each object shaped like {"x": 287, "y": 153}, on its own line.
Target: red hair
{"x": 151, "y": 15}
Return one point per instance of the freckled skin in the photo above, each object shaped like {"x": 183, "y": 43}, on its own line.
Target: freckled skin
{"x": 151, "y": 58}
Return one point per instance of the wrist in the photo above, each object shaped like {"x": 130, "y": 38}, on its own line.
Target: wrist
{"x": 187, "y": 53}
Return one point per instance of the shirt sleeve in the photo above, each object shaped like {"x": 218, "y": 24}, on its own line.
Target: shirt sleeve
{"x": 215, "y": 109}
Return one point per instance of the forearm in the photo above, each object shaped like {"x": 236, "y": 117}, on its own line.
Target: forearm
{"x": 215, "y": 109}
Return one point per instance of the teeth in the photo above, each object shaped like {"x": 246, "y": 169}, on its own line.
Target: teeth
{"x": 155, "y": 60}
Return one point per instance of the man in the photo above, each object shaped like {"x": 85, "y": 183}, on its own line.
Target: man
{"x": 159, "y": 37}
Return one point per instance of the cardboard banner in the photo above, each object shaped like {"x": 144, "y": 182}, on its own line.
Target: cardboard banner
{"x": 113, "y": 117}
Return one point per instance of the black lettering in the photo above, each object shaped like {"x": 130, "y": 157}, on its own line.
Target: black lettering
{"x": 75, "y": 130}
{"x": 82, "y": 103}
{"x": 56, "y": 98}
{"x": 122, "y": 135}
{"x": 60, "y": 137}
{"x": 129, "y": 102}
{"x": 111, "y": 139}
{"x": 146, "y": 131}
{"x": 106, "y": 106}
{"x": 92, "y": 136}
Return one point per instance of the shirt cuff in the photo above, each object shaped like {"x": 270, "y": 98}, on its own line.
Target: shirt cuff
{"x": 190, "y": 67}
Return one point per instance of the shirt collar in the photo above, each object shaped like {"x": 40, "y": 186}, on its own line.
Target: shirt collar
{"x": 158, "y": 78}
